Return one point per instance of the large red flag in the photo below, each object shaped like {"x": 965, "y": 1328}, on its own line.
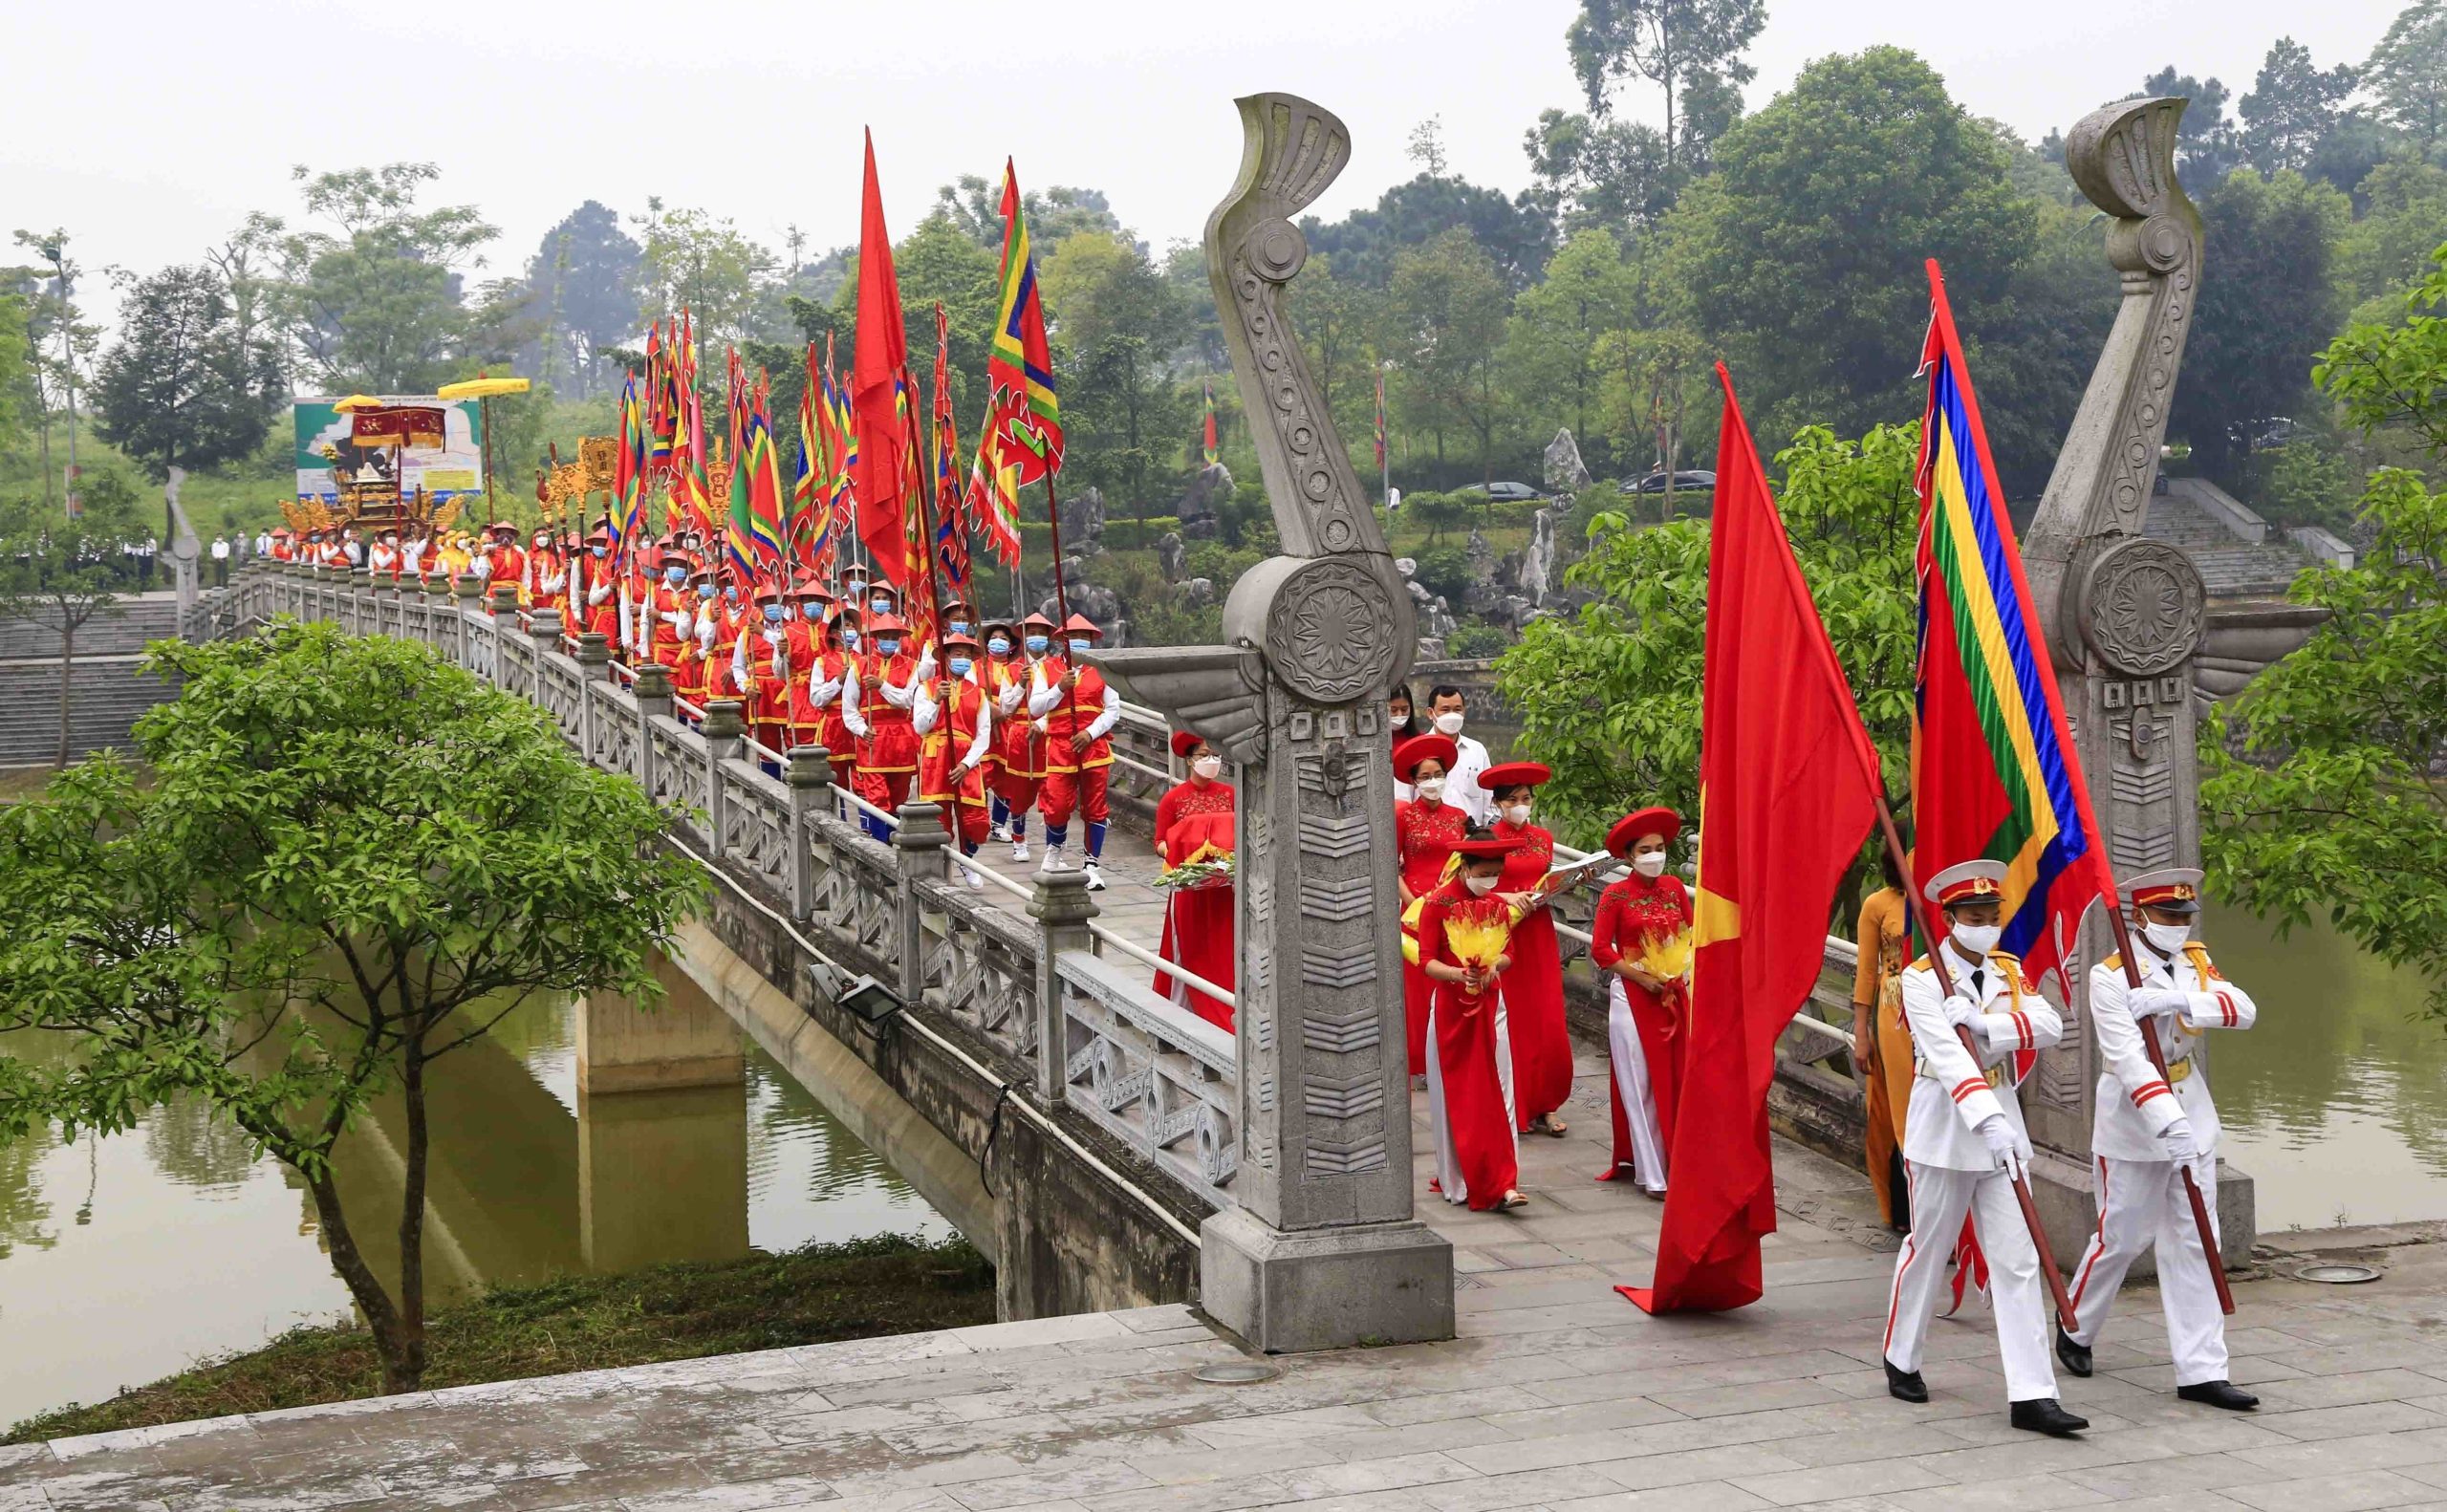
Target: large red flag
{"x": 879, "y": 399}
{"x": 1788, "y": 785}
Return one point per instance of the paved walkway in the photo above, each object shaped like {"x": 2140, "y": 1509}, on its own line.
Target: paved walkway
{"x": 1556, "y": 1394}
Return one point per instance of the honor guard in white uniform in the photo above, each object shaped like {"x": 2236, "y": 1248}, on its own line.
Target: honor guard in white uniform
{"x": 1963, "y": 1142}
{"x": 2149, "y": 1129}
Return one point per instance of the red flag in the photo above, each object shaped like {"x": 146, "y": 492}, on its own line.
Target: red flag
{"x": 1788, "y": 785}
{"x": 879, "y": 400}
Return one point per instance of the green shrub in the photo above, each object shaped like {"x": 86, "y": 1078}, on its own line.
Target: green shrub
{"x": 1445, "y": 571}
{"x": 1471, "y": 642}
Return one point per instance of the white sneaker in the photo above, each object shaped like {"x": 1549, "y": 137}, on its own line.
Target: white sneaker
{"x": 1001, "y": 832}
{"x": 1053, "y": 859}
{"x": 1020, "y": 851}
{"x": 976, "y": 883}
{"x": 1096, "y": 879}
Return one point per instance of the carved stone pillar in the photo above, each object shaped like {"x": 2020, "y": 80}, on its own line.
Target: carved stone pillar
{"x": 1321, "y": 1249}
{"x": 2125, "y": 614}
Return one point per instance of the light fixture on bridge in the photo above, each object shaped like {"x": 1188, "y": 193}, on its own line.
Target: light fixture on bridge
{"x": 869, "y": 1001}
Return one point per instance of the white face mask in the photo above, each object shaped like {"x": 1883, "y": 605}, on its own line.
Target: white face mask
{"x": 1210, "y": 767}
{"x": 1449, "y": 723}
{"x": 1649, "y": 863}
{"x": 2167, "y": 937}
{"x": 1516, "y": 812}
{"x": 1978, "y": 939}
{"x": 1479, "y": 886}
{"x": 1430, "y": 788}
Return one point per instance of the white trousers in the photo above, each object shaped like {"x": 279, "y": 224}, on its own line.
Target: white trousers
{"x": 2142, "y": 1203}
{"x": 1939, "y": 1200}
{"x": 1448, "y": 1155}
{"x": 1631, "y": 1084}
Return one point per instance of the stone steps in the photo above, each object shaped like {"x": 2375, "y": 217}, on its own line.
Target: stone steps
{"x": 152, "y": 617}
{"x": 2230, "y": 567}
{"x": 107, "y": 695}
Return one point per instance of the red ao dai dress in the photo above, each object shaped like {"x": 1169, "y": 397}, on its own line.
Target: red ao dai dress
{"x": 1533, "y": 988}
{"x": 1645, "y": 1031}
{"x": 1199, "y": 921}
{"x": 1469, "y": 1065}
{"x": 1424, "y": 835}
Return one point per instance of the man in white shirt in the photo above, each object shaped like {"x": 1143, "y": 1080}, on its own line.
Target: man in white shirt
{"x": 221, "y": 561}
{"x": 1461, "y": 790}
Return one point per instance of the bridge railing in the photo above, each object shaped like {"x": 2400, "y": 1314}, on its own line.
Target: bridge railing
{"x": 1014, "y": 971}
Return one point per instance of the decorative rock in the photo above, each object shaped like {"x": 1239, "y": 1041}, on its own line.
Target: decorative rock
{"x": 1083, "y": 518}
{"x": 1407, "y": 566}
{"x": 1566, "y": 472}
{"x": 1098, "y": 602}
{"x": 1200, "y": 509}
{"x": 1170, "y": 555}
{"x": 1195, "y": 593}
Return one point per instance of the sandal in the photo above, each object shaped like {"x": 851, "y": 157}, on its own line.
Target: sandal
{"x": 1548, "y": 1125}
{"x": 1512, "y": 1200}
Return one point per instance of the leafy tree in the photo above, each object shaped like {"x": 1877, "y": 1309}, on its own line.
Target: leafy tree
{"x": 184, "y": 388}
{"x": 1550, "y": 354}
{"x": 1116, "y": 318}
{"x": 2292, "y": 106}
{"x": 374, "y": 303}
{"x": 1610, "y": 697}
{"x": 1517, "y": 233}
{"x": 2269, "y": 300}
{"x": 2038, "y": 344}
{"x": 2408, "y": 72}
{"x": 1655, "y": 361}
{"x": 13, "y": 351}
{"x": 583, "y": 283}
{"x": 1599, "y": 171}
{"x": 64, "y": 574}
{"x": 356, "y": 860}
{"x": 1055, "y": 214}
{"x": 1445, "y": 314}
{"x": 1426, "y": 147}
{"x": 2207, "y": 143}
{"x": 2403, "y": 222}
{"x": 60, "y": 344}
{"x": 2324, "y": 790}
{"x": 692, "y": 260}
{"x": 1801, "y": 254}
{"x": 1339, "y": 322}
{"x": 1690, "y": 49}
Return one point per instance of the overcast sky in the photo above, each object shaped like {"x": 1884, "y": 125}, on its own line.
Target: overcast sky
{"x": 149, "y": 129}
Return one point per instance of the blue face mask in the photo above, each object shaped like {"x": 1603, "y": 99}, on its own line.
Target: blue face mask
{"x": 674, "y": 576}
{"x": 850, "y": 638}
{"x": 882, "y": 606}
{"x": 888, "y": 644}
{"x": 960, "y": 627}
{"x": 731, "y": 594}
{"x": 1000, "y": 646}
{"x": 704, "y": 590}
{"x": 596, "y": 551}
{"x": 959, "y": 666}
{"x": 772, "y": 614}
{"x": 1037, "y": 645}
{"x": 1081, "y": 643}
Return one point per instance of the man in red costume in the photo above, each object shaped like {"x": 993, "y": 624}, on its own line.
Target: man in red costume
{"x": 876, "y": 698}
{"x": 1079, "y": 710}
{"x": 955, "y": 727}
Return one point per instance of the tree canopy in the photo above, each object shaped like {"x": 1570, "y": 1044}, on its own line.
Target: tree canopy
{"x": 185, "y": 386}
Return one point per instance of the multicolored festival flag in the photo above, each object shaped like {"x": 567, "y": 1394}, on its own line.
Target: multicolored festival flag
{"x": 1788, "y": 785}
{"x": 841, "y": 446}
{"x": 879, "y": 394}
{"x": 629, "y": 474}
{"x": 1381, "y": 419}
{"x": 811, "y": 527}
{"x": 762, "y": 462}
{"x": 1994, "y": 773}
{"x": 951, "y": 533}
{"x": 1209, "y": 449}
{"x": 1022, "y": 411}
{"x": 739, "y": 532}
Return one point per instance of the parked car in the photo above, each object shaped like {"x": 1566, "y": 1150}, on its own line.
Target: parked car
{"x": 1690, "y": 480}
{"x": 1509, "y": 492}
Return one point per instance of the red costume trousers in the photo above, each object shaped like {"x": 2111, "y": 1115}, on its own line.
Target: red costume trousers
{"x": 1082, "y": 791}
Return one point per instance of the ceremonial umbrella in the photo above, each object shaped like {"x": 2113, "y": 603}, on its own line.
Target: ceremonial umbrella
{"x": 481, "y": 390}
{"x": 357, "y": 401}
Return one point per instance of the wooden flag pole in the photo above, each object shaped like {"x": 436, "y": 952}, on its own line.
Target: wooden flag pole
{"x": 2158, "y": 1062}
{"x": 1916, "y": 907}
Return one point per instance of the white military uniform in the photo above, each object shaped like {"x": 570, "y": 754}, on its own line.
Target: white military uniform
{"x": 2140, "y": 1192}
{"x": 1951, "y": 1171}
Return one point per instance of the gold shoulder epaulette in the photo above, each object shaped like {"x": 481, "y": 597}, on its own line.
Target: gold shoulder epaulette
{"x": 1922, "y": 964}
{"x": 2006, "y": 955}
{"x": 2114, "y": 960}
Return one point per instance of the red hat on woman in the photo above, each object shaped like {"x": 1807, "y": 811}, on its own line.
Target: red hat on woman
{"x": 1660, "y": 821}
{"x": 1438, "y": 749}
{"x": 1184, "y": 743}
{"x": 1491, "y": 849}
{"x": 1514, "y": 774}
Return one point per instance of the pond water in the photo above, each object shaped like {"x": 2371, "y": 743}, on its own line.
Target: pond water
{"x": 126, "y": 1259}
{"x": 2336, "y": 1102}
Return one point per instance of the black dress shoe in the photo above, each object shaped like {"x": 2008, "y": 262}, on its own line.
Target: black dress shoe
{"x": 2218, "y": 1393}
{"x": 2041, "y": 1416}
{"x": 1904, "y": 1386}
{"x": 2076, "y": 1357}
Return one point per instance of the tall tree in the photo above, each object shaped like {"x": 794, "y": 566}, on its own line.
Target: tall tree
{"x": 61, "y": 343}
{"x": 582, "y": 281}
{"x": 2388, "y": 250}
{"x": 1116, "y": 319}
{"x": 2408, "y": 72}
{"x": 1802, "y": 253}
{"x": 1338, "y": 323}
{"x": 184, "y": 387}
{"x": 63, "y": 574}
{"x": 1690, "y": 49}
{"x": 2270, "y": 301}
{"x": 1517, "y": 232}
{"x": 2207, "y": 143}
{"x": 2291, "y": 107}
{"x": 1550, "y": 347}
{"x": 1599, "y": 170}
{"x": 1445, "y": 314}
{"x": 371, "y": 298}
{"x": 353, "y": 860}
{"x": 704, "y": 262}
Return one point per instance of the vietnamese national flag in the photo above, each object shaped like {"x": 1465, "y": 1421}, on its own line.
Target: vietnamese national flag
{"x": 879, "y": 399}
{"x": 1788, "y": 785}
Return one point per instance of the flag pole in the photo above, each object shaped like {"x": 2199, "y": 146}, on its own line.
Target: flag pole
{"x": 2159, "y": 1062}
{"x": 1946, "y": 985}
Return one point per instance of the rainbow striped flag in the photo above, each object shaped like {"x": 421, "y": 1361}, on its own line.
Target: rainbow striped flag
{"x": 1023, "y": 414}
{"x": 1994, "y": 773}
{"x": 629, "y": 474}
{"x": 767, "y": 531}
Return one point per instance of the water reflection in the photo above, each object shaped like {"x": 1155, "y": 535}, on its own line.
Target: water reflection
{"x": 2336, "y": 1101}
{"x": 125, "y": 1259}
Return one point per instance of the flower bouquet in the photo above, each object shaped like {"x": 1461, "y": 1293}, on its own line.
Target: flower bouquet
{"x": 1204, "y": 868}
{"x": 1479, "y": 936}
{"x": 1203, "y": 843}
{"x": 1668, "y": 958}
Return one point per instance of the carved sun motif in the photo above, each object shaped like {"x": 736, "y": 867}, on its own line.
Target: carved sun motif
{"x": 2145, "y": 612}
{"x": 1332, "y": 633}
{"x": 1338, "y": 631}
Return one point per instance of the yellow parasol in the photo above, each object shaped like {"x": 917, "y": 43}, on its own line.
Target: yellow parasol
{"x": 356, "y": 402}
{"x": 481, "y": 390}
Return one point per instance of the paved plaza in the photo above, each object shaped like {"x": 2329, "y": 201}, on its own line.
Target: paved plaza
{"x": 1557, "y": 1394}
